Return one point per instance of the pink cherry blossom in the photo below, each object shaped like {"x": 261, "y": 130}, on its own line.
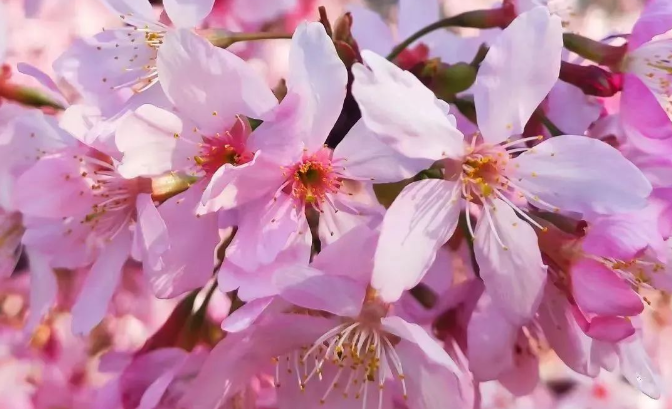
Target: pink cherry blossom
{"x": 358, "y": 345}
{"x": 491, "y": 171}
{"x": 122, "y": 59}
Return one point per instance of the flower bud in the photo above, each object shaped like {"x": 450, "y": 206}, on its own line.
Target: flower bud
{"x": 592, "y": 79}
{"x": 25, "y": 95}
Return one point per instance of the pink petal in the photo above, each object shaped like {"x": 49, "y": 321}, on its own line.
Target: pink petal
{"x": 370, "y": 31}
{"x": 189, "y": 263}
{"x": 137, "y": 8}
{"x": 430, "y": 386}
{"x": 416, "y": 335}
{"x": 319, "y": 76}
{"x": 145, "y": 370}
{"x": 43, "y": 289}
{"x": 243, "y": 317}
{"x": 490, "y": 341}
{"x": 313, "y": 289}
{"x": 520, "y": 69}
{"x": 100, "y": 284}
{"x": 187, "y": 13}
{"x": 44, "y": 79}
{"x": 416, "y": 14}
{"x": 609, "y": 329}
{"x": 152, "y": 129}
{"x": 581, "y": 174}
{"x": 655, "y": 19}
{"x": 402, "y": 112}
{"x": 360, "y": 246}
{"x": 189, "y": 65}
{"x": 151, "y": 233}
{"x": 421, "y": 219}
{"x": 642, "y": 111}
{"x": 235, "y": 359}
{"x": 233, "y": 186}
{"x": 368, "y": 157}
{"x": 283, "y": 131}
{"x": 564, "y": 334}
{"x": 90, "y": 66}
{"x": 263, "y": 231}
{"x": 637, "y": 367}
{"x": 570, "y": 109}
{"x": 514, "y": 275}
{"x": 598, "y": 290}
{"x": 524, "y": 376}
{"x": 624, "y": 236}
{"x": 54, "y": 187}
{"x": 347, "y": 213}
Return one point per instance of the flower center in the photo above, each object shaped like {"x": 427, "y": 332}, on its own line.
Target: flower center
{"x": 313, "y": 178}
{"x": 359, "y": 354}
{"x": 230, "y": 148}
{"x": 638, "y": 273}
{"x": 115, "y": 196}
{"x": 483, "y": 171}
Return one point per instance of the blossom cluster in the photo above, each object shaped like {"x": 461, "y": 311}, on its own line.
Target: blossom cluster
{"x": 412, "y": 217}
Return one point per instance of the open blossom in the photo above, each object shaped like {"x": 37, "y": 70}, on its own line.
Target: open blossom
{"x": 124, "y": 59}
{"x": 496, "y": 174}
{"x": 80, "y": 212}
{"x": 359, "y": 350}
{"x": 646, "y": 99}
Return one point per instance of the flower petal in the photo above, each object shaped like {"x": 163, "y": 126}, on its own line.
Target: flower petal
{"x": 152, "y": 129}
{"x": 563, "y": 333}
{"x": 151, "y": 233}
{"x": 656, "y": 18}
{"x": 100, "y": 284}
{"x": 43, "y": 289}
{"x": 264, "y": 231}
{"x": 416, "y": 14}
{"x": 317, "y": 74}
{"x": 239, "y": 356}
{"x": 430, "y": 386}
{"x": 137, "y": 8}
{"x": 637, "y": 367}
{"x": 511, "y": 265}
{"x": 370, "y": 31}
{"x": 54, "y": 187}
{"x": 490, "y": 341}
{"x": 189, "y": 263}
{"x": 314, "y": 289}
{"x": 421, "y": 219}
{"x": 416, "y": 335}
{"x": 598, "y": 290}
{"x": 366, "y": 156}
{"x": 404, "y": 113}
{"x": 189, "y": 65}
{"x": 581, "y": 174}
{"x": 187, "y": 13}
{"x": 244, "y": 316}
{"x": 520, "y": 69}
{"x": 233, "y": 186}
